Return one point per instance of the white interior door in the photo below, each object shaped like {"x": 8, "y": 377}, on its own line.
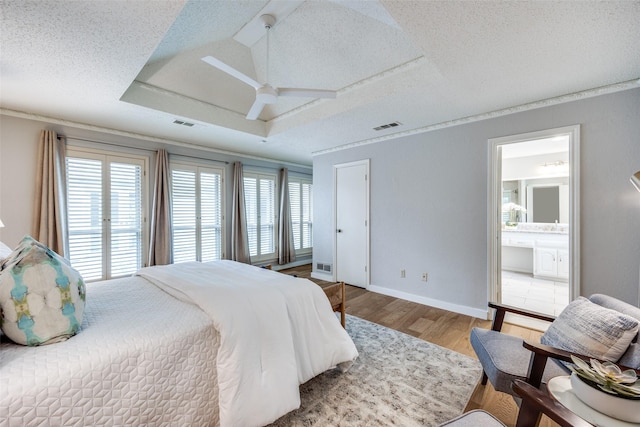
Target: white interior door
{"x": 352, "y": 223}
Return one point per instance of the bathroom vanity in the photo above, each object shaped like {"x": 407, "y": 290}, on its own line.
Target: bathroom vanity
{"x": 537, "y": 248}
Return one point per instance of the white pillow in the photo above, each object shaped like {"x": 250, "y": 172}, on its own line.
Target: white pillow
{"x": 591, "y": 330}
{"x": 41, "y": 297}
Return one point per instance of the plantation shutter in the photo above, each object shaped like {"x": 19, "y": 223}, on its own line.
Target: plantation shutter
{"x": 300, "y": 198}
{"x": 183, "y": 189}
{"x": 211, "y": 216}
{"x": 84, "y": 205}
{"x": 260, "y": 197}
{"x": 105, "y": 205}
{"x": 251, "y": 206}
{"x": 267, "y": 202}
{"x": 295, "y": 200}
{"x": 307, "y": 212}
{"x": 126, "y": 218}
{"x": 197, "y": 213}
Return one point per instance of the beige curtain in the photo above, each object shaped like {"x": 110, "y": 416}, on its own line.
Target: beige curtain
{"x": 50, "y": 208}
{"x": 286, "y": 247}
{"x": 160, "y": 244}
{"x": 239, "y": 235}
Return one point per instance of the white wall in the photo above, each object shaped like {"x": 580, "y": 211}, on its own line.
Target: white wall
{"x": 531, "y": 166}
{"x": 18, "y": 145}
{"x": 429, "y": 203}
{"x": 18, "y": 156}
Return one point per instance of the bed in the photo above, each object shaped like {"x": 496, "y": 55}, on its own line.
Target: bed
{"x": 191, "y": 344}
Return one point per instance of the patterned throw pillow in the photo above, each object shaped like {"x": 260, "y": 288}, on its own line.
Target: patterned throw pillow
{"x": 41, "y": 297}
{"x": 591, "y": 330}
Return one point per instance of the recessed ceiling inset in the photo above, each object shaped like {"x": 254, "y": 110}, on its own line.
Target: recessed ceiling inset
{"x": 265, "y": 93}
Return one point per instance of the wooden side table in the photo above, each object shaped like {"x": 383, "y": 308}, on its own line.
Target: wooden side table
{"x": 337, "y": 298}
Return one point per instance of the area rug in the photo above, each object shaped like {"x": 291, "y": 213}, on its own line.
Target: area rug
{"x": 397, "y": 380}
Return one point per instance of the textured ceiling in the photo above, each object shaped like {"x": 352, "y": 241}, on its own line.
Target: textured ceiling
{"x": 135, "y": 66}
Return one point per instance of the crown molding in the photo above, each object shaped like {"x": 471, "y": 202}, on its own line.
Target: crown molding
{"x": 138, "y": 136}
{"x": 576, "y": 96}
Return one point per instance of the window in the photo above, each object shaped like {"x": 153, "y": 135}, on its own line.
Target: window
{"x": 260, "y": 203}
{"x": 105, "y": 201}
{"x": 300, "y": 198}
{"x": 197, "y": 194}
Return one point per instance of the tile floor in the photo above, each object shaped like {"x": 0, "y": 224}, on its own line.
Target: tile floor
{"x": 524, "y": 291}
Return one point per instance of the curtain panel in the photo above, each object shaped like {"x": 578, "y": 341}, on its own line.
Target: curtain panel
{"x": 286, "y": 246}
{"x": 160, "y": 242}
{"x": 49, "y": 224}
{"x": 239, "y": 234}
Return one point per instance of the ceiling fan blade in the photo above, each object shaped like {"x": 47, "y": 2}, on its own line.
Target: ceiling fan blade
{"x": 255, "y": 110}
{"x": 307, "y": 93}
{"x": 231, "y": 71}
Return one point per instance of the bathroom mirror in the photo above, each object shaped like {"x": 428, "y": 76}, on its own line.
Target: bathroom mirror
{"x": 543, "y": 200}
{"x": 548, "y": 203}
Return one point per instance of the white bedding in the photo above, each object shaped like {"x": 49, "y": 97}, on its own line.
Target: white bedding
{"x": 270, "y": 342}
{"x": 143, "y": 357}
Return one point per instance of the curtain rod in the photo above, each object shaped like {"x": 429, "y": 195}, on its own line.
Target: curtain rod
{"x": 140, "y": 149}
{"x": 289, "y": 164}
{"x": 199, "y": 158}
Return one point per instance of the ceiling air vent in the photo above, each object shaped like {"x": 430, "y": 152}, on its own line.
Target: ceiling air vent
{"x": 180, "y": 122}
{"x": 387, "y": 126}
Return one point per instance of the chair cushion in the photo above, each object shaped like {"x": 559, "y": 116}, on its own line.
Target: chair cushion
{"x": 631, "y": 358}
{"x": 475, "y": 418}
{"x": 592, "y": 330}
{"x": 504, "y": 359}
{"x": 617, "y": 305}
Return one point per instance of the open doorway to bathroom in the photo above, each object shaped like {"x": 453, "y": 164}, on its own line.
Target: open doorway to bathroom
{"x": 534, "y": 222}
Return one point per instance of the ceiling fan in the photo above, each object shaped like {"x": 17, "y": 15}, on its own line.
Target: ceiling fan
{"x": 265, "y": 93}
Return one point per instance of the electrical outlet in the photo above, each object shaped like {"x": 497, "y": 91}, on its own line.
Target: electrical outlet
{"x": 403, "y": 274}
{"x": 424, "y": 277}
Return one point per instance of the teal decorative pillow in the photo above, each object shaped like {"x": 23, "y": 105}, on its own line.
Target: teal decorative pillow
{"x": 591, "y": 330}
{"x": 41, "y": 296}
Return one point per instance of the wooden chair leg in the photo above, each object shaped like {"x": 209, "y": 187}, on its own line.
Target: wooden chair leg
{"x": 343, "y": 306}
{"x": 528, "y": 415}
{"x": 484, "y": 379}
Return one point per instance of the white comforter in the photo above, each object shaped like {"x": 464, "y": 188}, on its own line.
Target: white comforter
{"x": 270, "y": 342}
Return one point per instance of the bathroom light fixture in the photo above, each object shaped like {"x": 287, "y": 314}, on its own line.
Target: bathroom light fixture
{"x": 558, "y": 163}
{"x": 635, "y": 180}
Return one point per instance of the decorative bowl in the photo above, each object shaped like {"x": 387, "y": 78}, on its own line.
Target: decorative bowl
{"x": 621, "y": 408}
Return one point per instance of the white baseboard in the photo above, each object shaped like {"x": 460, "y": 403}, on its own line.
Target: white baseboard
{"x": 456, "y": 308}
{"x": 518, "y": 270}
{"x": 278, "y": 267}
{"x": 322, "y": 276}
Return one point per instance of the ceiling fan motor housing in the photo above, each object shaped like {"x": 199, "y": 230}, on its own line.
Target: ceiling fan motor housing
{"x": 267, "y": 94}
{"x": 268, "y": 21}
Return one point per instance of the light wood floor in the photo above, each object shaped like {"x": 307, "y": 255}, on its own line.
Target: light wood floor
{"x": 447, "y": 329}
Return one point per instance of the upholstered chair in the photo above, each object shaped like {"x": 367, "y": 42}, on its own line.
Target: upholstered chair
{"x": 601, "y": 327}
